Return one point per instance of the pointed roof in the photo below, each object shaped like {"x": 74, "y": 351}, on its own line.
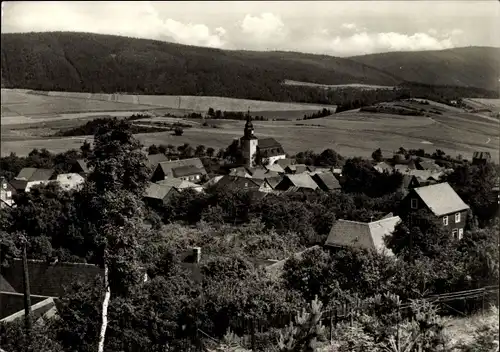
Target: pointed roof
{"x": 35, "y": 174}
{"x": 326, "y": 181}
{"x": 364, "y": 235}
{"x": 441, "y": 199}
{"x": 301, "y": 181}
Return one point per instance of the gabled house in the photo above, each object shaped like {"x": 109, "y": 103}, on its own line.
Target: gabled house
{"x": 297, "y": 182}
{"x": 383, "y": 167}
{"x": 185, "y": 169}
{"x": 443, "y": 202}
{"x": 80, "y": 166}
{"x": 155, "y": 159}
{"x": 327, "y": 181}
{"x": 429, "y": 165}
{"x": 70, "y": 181}
{"x": 362, "y": 235}
{"x": 241, "y": 183}
{"x": 157, "y": 195}
{"x": 274, "y": 181}
{"x": 481, "y": 158}
{"x": 7, "y": 193}
{"x": 180, "y": 185}
{"x": 30, "y": 176}
{"x": 262, "y": 173}
{"x": 283, "y": 162}
{"x": 299, "y": 169}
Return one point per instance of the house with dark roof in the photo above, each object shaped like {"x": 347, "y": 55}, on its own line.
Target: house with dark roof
{"x": 274, "y": 181}
{"x": 442, "y": 201}
{"x": 481, "y": 158}
{"x": 30, "y": 176}
{"x": 299, "y": 168}
{"x": 262, "y": 173}
{"x": 244, "y": 183}
{"x": 327, "y": 181}
{"x": 157, "y": 194}
{"x": 296, "y": 182}
{"x": 154, "y": 159}
{"x": 185, "y": 169}
{"x": 362, "y": 235}
{"x": 80, "y": 167}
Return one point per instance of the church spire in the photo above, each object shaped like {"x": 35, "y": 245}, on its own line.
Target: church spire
{"x": 249, "y": 126}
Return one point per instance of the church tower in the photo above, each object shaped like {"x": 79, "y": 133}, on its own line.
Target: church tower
{"x": 248, "y": 143}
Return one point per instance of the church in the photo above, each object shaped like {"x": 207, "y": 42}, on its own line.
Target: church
{"x": 264, "y": 151}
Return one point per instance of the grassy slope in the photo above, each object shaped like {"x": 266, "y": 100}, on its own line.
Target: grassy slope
{"x": 473, "y": 66}
{"x": 104, "y": 63}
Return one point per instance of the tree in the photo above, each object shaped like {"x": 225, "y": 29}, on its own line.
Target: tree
{"x": 377, "y": 155}
{"x": 86, "y": 149}
{"x": 328, "y": 157}
{"x": 210, "y": 152}
{"x": 199, "y": 151}
{"x": 178, "y": 131}
{"x": 211, "y": 112}
{"x": 153, "y": 149}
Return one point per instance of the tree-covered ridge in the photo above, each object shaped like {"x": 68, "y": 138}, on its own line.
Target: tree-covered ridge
{"x": 84, "y": 62}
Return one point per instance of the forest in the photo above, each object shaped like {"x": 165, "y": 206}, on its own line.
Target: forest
{"x": 107, "y": 224}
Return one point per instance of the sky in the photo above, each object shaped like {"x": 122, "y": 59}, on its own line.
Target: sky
{"x": 338, "y": 28}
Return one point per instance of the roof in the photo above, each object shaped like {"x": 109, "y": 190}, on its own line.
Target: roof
{"x": 186, "y": 170}
{"x": 421, "y": 174}
{"x": 482, "y": 155}
{"x": 72, "y": 176}
{"x": 275, "y": 168}
{"x": 34, "y": 174}
{"x": 156, "y": 191}
{"x": 274, "y": 181}
{"x": 283, "y": 162}
{"x": 430, "y": 165}
{"x": 326, "y": 180}
{"x": 177, "y": 183}
{"x": 213, "y": 181}
{"x": 47, "y": 279}
{"x": 364, "y": 235}
{"x": 19, "y": 184}
{"x": 228, "y": 180}
{"x": 266, "y": 143}
{"x": 263, "y": 173}
{"x": 383, "y": 166}
{"x": 239, "y": 171}
{"x": 155, "y": 159}
{"x": 302, "y": 181}
{"x": 168, "y": 166}
{"x": 441, "y": 199}
{"x": 83, "y": 165}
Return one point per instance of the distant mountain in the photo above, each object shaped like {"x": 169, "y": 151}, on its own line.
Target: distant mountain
{"x": 84, "y": 62}
{"x": 472, "y": 66}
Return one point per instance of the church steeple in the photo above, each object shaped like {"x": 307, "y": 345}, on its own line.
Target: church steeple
{"x": 249, "y": 127}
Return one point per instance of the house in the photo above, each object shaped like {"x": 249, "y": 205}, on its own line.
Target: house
{"x": 244, "y": 183}
{"x": 299, "y": 169}
{"x": 180, "y": 185}
{"x": 262, "y": 173}
{"x": 6, "y": 193}
{"x": 254, "y": 150}
{"x": 327, "y": 181}
{"x": 80, "y": 166}
{"x": 443, "y": 202}
{"x": 212, "y": 182}
{"x": 362, "y": 235}
{"x": 30, "y": 176}
{"x": 481, "y": 158}
{"x": 154, "y": 159}
{"x": 296, "y": 182}
{"x": 157, "y": 195}
{"x": 383, "y": 167}
{"x": 70, "y": 181}
{"x": 283, "y": 162}
{"x": 274, "y": 181}
{"x": 275, "y": 168}
{"x": 240, "y": 171}
{"x": 429, "y": 165}
{"x": 185, "y": 169}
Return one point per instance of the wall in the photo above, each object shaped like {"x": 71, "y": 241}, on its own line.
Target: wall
{"x": 451, "y": 221}
{"x": 273, "y": 159}
{"x": 12, "y": 302}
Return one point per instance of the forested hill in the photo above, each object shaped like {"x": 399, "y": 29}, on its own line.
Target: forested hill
{"x": 85, "y": 62}
{"x": 105, "y": 63}
{"x": 471, "y": 66}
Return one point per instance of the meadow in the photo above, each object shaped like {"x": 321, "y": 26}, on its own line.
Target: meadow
{"x": 351, "y": 133}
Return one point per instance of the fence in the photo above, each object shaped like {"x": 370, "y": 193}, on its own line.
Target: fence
{"x": 461, "y": 302}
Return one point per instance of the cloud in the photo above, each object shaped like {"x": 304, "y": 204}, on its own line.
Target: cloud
{"x": 263, "y": 27}
{"x": 349, "y": 26}
{"x": 192, "y": 34}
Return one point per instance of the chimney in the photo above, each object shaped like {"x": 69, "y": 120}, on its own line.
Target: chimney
{"x": 197, "y": 254}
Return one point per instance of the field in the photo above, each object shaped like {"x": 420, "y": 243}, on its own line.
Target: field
{"x": 333, "y": 86}
{"x": 351, "y": 133}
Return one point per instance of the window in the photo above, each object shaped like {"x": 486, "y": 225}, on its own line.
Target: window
{"x": 460, "y": 233}
{"x": 445, "y": 220}
{"x": 197, "y": 177}
{"x": 457, "y": 217}
{"x": 455, "y": 233}
{"x": 414, "y": 203}
{"x": 246, "y": 184}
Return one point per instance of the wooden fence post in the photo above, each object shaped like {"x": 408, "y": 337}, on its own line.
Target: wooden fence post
{"x": 331, "y": 325}
{"x": 253, "y": 333}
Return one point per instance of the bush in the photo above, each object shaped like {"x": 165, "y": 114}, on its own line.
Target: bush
{"x": 178, "y": 131}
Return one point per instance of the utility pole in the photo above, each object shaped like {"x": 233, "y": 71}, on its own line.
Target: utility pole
{"x": 27, "y": 296}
